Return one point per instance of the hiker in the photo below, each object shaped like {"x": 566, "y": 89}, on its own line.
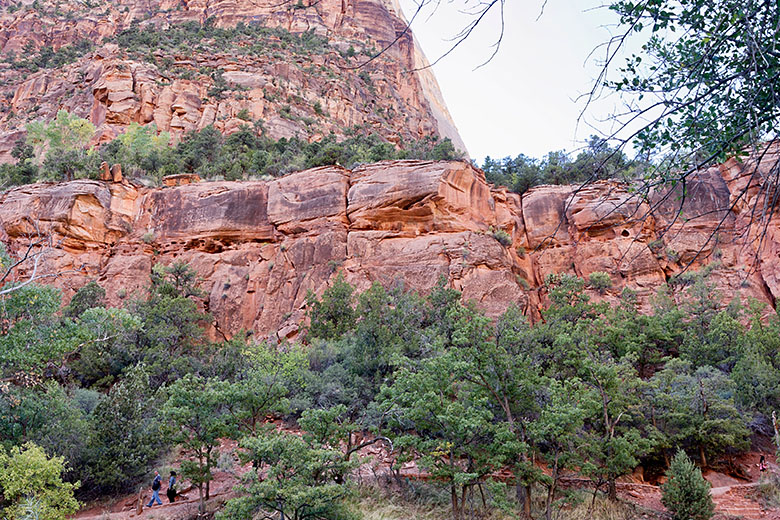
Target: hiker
{"x": 171, "y": 487}
{"x": 156, "y": 483}
{"x": 762, "y": 464}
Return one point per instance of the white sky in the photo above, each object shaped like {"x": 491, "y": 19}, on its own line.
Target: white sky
{"x": 525, "y": 99}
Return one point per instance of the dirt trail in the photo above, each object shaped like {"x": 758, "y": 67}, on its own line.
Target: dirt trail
{"x": 737, "y": 499}
{"x": 185, "y": 506}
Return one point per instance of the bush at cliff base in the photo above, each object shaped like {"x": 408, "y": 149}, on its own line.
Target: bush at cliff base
{"x": 686, "y": 494}
{"x": 31, "y": 485}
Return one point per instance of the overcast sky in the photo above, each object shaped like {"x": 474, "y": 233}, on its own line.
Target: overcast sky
{"x": 526, "y": 99}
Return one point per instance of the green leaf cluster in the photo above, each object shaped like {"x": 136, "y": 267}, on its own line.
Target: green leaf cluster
{"x": 26, "y": 472}
{"x": 707, "y": 96}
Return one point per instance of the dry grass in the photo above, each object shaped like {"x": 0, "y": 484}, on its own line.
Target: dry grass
{"x": 603, "y": 509}
{"x": 768, "y": 491}
{"x": 374, "y": 503}
{"x": 422, "y": 502}
{"x": 393, "y": 508}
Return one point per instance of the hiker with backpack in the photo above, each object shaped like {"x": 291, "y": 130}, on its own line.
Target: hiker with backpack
{"x": 171, "y": 487}
{"x": 156, "y": 483}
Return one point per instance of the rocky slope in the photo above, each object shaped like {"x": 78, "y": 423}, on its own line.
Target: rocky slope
{"x": 260, "y": 246}
{"x": 289, "y": 69}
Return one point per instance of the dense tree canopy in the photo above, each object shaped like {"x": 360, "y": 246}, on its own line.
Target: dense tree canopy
{"x": 592, "y": 390}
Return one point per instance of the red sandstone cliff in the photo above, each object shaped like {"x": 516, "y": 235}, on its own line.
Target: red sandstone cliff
{"x": 259, "y": 246}
{"x": 307, "y": 92}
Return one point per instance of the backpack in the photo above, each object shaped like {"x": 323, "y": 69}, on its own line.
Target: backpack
{"x": 156, "y": 485}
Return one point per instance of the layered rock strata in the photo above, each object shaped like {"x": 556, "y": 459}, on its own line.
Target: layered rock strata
{"x": 260, "y": 246}
{"x": 322, "y": 83}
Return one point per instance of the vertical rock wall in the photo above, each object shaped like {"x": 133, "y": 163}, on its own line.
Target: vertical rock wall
{"x": 260, "y": 246}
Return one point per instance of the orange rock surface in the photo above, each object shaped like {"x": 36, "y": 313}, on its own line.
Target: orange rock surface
{"x": 260, "y": 246}
{"x": 307, "y": 93}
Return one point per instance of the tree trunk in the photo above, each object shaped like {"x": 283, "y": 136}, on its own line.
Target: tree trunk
{"x": 523, "y": 494}
{"x": 208, "y": 474}
{"x": 202, "y": 505}
{"x": 593, "y": 500}
{"x": 612, "y": 490}
{"x": 551, "y": 489}
{"x": 482, "y": 495}
{"x": 703, "y": 457}
{"x": 520, "y": 492}
{"x": 454, "y": 498}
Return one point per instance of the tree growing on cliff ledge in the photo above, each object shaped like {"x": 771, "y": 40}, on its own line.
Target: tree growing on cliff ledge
{"x": 63, "y": 141}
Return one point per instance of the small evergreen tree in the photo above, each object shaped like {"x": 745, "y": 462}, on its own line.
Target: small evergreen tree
{"x": 90, "y": 296}
{"x": 686, "y": 494}
{"x": 198, "y": 411}
{"x": 334, "y": 314}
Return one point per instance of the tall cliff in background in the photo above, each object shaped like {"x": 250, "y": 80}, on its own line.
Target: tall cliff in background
{"x": 291, "y": 69}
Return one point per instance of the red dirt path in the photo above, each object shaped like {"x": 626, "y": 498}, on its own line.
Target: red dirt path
{"x": 734, "y": 498}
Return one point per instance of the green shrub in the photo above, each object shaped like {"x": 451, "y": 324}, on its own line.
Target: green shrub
{"x": 501, "y": 236}
{"x": 89, "y": 296}
{"x": 126, "y": 432}
{"x": 219, "y": 86}
{"x": 656, "y": 246}
{"x": 600, "y": 281}
{"x": 683, "y": 279}
{"x": 146, "y": 154}
{"x": 598, "y": 160}
{"x": 27, "y": 470}
{"x": 47, "y": 58}
{"x": 334, "y": 314}
{"x": 686, "y": 494}
{"x": 286, "y": 112}
{"x": 522, "y": 282}
{"x": 768, "y": 490}
{"x": 244, "y": 114}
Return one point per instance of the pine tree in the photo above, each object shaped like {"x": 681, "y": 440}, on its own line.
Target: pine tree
{"x": 686, "y": 494}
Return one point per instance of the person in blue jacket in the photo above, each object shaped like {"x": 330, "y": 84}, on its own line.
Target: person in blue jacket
{"x": 171, "y": 487}
{"x": 156, "y": 483}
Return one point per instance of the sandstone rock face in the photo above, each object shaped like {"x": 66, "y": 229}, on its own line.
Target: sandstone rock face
{"x": 308, "y": 200}
{"x": 260, "y": 246}
{"x": 209, "y": 212}
{"x": 406, "y": 198}
{"x": 303, "y": 88}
